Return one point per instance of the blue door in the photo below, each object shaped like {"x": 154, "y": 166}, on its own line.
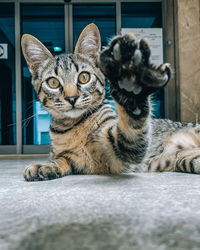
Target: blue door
{"x": 7, "y": 72}
{"x": 46, "y": 22}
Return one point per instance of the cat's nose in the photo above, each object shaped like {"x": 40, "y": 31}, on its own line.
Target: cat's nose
{"x": 72, "y": 99}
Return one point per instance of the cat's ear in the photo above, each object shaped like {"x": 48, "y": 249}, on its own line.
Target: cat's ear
{"x": 34, "y": 52}
{"x": 89, "y": 42}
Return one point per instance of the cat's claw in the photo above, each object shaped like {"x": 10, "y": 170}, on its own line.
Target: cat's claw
{"x": 165, "y": 68}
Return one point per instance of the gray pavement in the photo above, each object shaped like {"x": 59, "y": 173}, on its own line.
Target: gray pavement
{"x": 83, "y": 212}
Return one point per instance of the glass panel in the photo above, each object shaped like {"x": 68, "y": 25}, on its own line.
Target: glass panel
{"x": 141, "y": 15}
{"x": 104, "y": 16}
{"x": 145, "y": 15}
{"x": 7, "y": 79}
{"x": 46, "y": 22}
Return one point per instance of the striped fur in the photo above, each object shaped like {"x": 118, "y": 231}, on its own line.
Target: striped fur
{"x": 87, "y": 135}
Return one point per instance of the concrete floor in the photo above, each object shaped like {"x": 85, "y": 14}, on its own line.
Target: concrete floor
{"x": 135, "y": 211}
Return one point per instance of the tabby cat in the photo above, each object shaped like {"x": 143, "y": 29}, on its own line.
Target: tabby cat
{"x": 87, "y": 135}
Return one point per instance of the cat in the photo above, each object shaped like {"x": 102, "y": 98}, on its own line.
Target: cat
{"x": 87, "y": 135}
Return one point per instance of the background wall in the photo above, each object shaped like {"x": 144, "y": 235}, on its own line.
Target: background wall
{"x": 189, "y": 59}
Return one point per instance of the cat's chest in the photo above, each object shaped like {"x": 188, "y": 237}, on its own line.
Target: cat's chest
{"x": 71, "y": 140}
{"x": 74, "y": 140}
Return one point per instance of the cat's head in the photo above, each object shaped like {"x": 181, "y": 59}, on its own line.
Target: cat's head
{"x": 68, "y": 85}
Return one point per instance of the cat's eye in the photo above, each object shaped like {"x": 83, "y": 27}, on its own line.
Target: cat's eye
{"x": 84, "y": 77}
{"x": 53, "y": 83}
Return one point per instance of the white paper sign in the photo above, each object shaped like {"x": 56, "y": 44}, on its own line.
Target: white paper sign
{"x": 155, "y": 38}
{"x": 3, "y": 51}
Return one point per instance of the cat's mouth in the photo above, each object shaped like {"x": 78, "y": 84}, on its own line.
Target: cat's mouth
{"x": 74, "y": 112}
{"x": 70, "y": 112}
{"x": 72, "y": 108}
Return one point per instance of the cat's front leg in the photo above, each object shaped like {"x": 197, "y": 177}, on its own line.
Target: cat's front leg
{"x": 47, "y": 171}
{"x": 125, "y": 62}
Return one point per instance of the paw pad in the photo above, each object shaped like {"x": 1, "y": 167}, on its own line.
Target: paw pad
{"x": 130, "y": 85}
{"x": 137, "y": 111}
{"x": 137, "y": 57}
{"x": 116, "y": 52}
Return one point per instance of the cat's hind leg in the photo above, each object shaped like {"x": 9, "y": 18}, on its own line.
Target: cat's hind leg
{"x": 185, "y": 160}
{"x": 188, "y": 161}
{"x": 164, "y": 162}
{"x": 47, "y": 171}
{"x": 181, "y": 153}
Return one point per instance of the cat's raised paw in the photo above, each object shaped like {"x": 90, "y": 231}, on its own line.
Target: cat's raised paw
{"x": 126, "y": 64}
{"x": 40, "y": 172}
{"x": 121, "y": 62}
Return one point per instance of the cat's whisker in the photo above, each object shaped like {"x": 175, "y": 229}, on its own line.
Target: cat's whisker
{"x": 12, "y": 124}
{"x": 30, "y": 104}
{"x": 27, "y": 120}
{"x": 24, "y": 120}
